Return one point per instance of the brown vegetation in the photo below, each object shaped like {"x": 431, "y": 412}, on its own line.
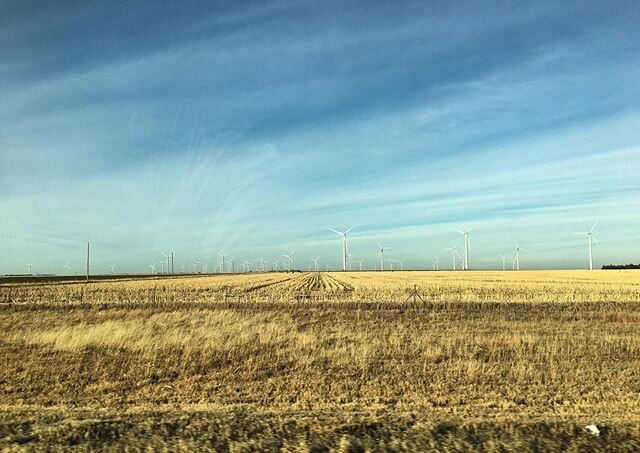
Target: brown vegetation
{"x": 325, "y": 361}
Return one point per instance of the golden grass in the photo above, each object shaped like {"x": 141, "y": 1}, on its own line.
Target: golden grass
{"x": 522, "y": 355}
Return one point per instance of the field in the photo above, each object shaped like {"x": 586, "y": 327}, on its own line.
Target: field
{"x": 488, "y": 361}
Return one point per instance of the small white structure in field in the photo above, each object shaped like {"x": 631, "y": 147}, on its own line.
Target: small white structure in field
{"x": 593, "y": 429}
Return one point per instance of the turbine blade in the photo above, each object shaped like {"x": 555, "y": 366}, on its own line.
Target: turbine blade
{"x": 335, "y": 231}
{"x": 594, "y": 226}
{"x": 355, "y": 225}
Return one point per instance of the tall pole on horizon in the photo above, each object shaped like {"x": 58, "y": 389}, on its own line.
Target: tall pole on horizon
{"x": 88, "y": 261}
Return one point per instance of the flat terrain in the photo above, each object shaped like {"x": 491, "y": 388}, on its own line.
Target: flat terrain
{"x": 323, "y": 362}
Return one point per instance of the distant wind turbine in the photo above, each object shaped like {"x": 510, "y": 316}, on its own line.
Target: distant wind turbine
{"x": 381, "y": 251}
{"x": 223, "y": 256}
{"x": 290, "y": 258}
{"x": 113, "y": 268}
{"x": 315, "y": 262}
{"x": 591, "y": 237}
{"x": 504, "y": 257}
{"x": 516, "y": 252}
{"x": 344, "y": 244}
{"x": 467, "y": 247}
{"x": 30, "y": 266}
{"x": 153, "y": 268}
{"x": 436, "y": 264}
{"x": 68, "y": 268}
{"x": 168, "y": 257}
{"x": 454, "y": 252}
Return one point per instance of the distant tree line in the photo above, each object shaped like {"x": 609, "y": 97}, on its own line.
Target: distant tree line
{"x": 621, "y": 266}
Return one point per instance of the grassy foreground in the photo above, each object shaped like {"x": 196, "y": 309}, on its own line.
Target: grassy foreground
{"x": 324, "y": 362}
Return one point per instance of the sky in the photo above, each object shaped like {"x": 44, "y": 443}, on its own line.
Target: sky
{"x": 252, "y": 127}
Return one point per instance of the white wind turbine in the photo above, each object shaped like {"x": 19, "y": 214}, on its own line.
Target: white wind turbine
{"x": 360, "y": 263}
{"x": 454, "y": 252}
{"x": 30, "y": 266}
{"x": 436, "y": 264}
{"x": 247, "y": 266}
{"x": 381, "y": 250}
{"x": 401, "y": 263}
{"x": 315, "y": 262}
{"x": 113, "y": 268}
{"x": 232, "y": 264}
{"x": 504, "y": 257}
{"x": 182, "y": 268}
{"x": 467, "y": 247}
{"x": 263, "y": 265}
{"x": 195, "y": 265}
{"x": 223, "y": 256}
{"x": 205, "y": 268}
{"x": 345, "y": 249}
{"x": 162, "y": 264}
{"x": 168, "y": 257}
{"x": 153, "y": 268}
{"x": 274, "y": 266}
{"x": 290, "y": 258}
{"x": 68, "y": 268}
{"x": 516, "y": 252}
{"x": 591, "y": 238}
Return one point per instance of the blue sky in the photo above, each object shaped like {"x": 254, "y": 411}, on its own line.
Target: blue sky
{"x": 251, "y": 127}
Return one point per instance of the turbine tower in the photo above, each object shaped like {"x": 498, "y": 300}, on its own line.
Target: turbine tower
{"x": 113, "y": 268}
{"x": 290, "y": 258}
{"x": 504, "y": 257}
{"x": 467, "y": 247}
{"x": 516, "y": 252}
{"x": 315, "y": 262}
{"x": 345, "y": 250}
{"x": 592, "y": 238}
{"x": 454, "y": 252}
{"x": 30, "y": 266}
{"x": 381, "y": 251}
{"x": 168, "y": 257}
{"x": 222, "y": 262}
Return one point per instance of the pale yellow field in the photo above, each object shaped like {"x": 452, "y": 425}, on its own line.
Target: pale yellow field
{"x": 314, "y": 362}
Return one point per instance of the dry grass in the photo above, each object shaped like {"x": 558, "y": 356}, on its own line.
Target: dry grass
{"x": 514, "y": 360}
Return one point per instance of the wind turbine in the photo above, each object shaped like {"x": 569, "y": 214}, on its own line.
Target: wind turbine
{"x": 360, "y": 263}
{"x": 315, "y": 262}
{"x": 263, "y": 265}
{"x": 182, "y": 267}
{"x": 290, "y": 258}
{"x": 274, "y": 266}
{"x": 381, "y": 247}
{"x": 195, "y": 265}
{"x": 344, "y": 245}
{"x": 467, "y": 247}
{"x": 113, "y": 268}
{"x": 153, "y": 268}
{"x": 162, "y": 264}
{"x": 68, "y": 268}
{"x": 247, "y": 265}
{"x": 223, "y": 257}
{"x": 205, "y": 267}
{"x": 436, "y": 264}
{"x": 232, "y": 263}
{"x": 454, "y": 252}
{"x": 168, "y": 257}
{"x": 591, "y": 237}
{"x": 401, "y": 263}
{"x": 30, "y": 266}
{"x": 391, "y": 264}
{"x": 504, "y": 257}
{"x": 516, "y": 252}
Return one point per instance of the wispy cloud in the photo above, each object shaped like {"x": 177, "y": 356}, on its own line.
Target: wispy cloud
{"x": 253, "y": 128}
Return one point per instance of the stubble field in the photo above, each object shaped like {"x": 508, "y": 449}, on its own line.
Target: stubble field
{"x": 323, "y": 362}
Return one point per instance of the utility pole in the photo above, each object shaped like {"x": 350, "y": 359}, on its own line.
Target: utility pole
{"x": 87, "y": 261}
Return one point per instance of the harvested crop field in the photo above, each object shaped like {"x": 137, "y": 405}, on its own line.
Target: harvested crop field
{"x": 324, "y": 362}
